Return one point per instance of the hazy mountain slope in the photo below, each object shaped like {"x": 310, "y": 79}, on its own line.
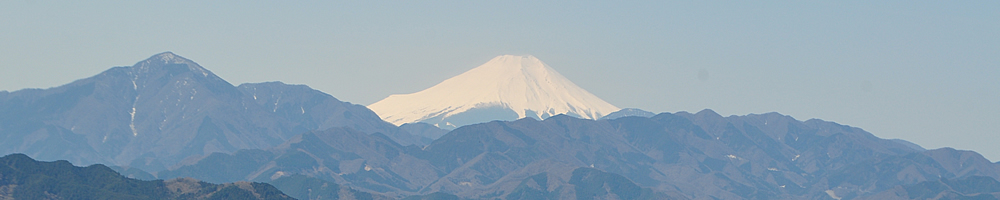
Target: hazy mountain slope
{"x": 885, "y": 173}
{"x": 160, "y": 110}
{"x": 133, "y": 173}
{"x": 909, "y": 144}
{"x": 223, "y": 168}
{"x": 372, "y": 163}
{"x": 305, "y": 109}
{"x": 682, "y": 155}
{"x": 667, "y": 152}
{"x": 701, "y": 155}
{"x": 477, "y": 156}
{"x": 434, "y": 196}
{"x": 594, "y": 184}
{"x": 629, "y": 112}
{"x": 505, "y": 88}
{"x": 308, "y": 188}
{"x": 424, "y": 130}
{"x": 976, "y": 187}
{"x": 164, "y": 109}
{"x": 24, "y": 178}
{"x": 784, "y": 155}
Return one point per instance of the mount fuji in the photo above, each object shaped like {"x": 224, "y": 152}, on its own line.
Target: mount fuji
{"x": 508, "y": 87}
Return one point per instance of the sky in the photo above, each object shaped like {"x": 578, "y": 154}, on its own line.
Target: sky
{"x": 923, "y": 71}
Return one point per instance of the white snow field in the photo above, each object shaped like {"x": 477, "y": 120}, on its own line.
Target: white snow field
{"x": 504, "y": 86}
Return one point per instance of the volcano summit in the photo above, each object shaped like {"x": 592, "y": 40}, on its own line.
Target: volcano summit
{"x": 507, "y": 87}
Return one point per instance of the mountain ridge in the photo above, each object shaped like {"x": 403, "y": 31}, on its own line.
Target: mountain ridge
{"x": 679, "y": 155}
{"x": 170, "y": 116}
{"x": 167, "y": 108}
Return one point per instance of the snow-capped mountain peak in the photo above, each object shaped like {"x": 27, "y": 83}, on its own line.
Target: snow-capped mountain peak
{"x": 505, "y": 88}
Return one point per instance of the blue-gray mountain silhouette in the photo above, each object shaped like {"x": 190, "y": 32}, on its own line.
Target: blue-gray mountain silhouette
{"x": 676, "y": 156}
{"x": 628, "y": 112}
{"x": 167, "y": 108}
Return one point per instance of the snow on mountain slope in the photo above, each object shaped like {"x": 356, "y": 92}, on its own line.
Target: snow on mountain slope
{"x": 504, "y": 86}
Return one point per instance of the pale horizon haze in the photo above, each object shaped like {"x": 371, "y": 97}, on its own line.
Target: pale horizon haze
{"x": 923, "y": 71}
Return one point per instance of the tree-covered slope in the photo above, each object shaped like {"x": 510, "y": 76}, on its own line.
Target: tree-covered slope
{"x": 22, "y": 177}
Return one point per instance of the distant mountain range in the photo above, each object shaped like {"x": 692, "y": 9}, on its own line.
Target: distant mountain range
{"x": 975, "y": 187}
{"x": 629, "y": 112}
{"x": 507, "y": 87}
{"x": 167, "y": 108}
{"x": 675, "y": 156}
{"x": 168, "y": 118}
{"x": 374, "y": 164}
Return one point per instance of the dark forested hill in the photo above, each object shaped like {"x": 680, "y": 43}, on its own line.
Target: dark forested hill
{"x": 24, "y": 178}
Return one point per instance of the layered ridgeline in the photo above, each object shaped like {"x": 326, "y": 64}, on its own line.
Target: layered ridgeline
{"x": 164, "y": 109}
{"x": 22, "y": 177}
{"x": 505, "y": 88}
{"x": 312, "y": 146}
{"x": 666, "y": 156}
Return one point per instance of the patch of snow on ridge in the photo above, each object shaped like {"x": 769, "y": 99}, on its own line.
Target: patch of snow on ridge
{"x": 523, "y": 84}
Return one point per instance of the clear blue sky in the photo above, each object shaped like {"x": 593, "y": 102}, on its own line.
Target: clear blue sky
{"x": 924, "y": 71}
